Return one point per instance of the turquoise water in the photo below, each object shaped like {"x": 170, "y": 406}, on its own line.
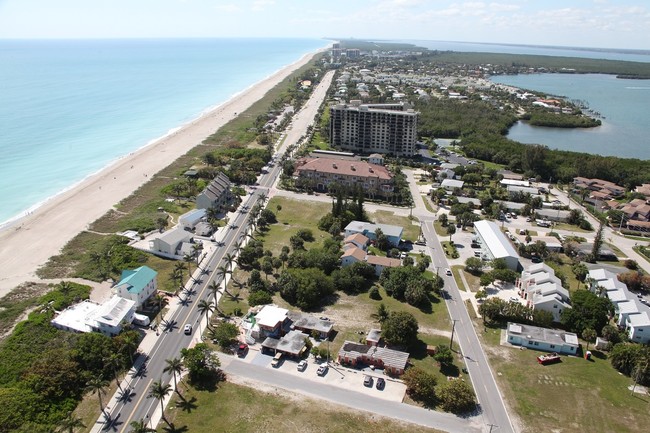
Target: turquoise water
{"x": 625, "y": 105}
{"x": 68, "y": 108}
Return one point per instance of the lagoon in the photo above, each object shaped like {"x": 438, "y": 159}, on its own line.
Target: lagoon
{"x": 624, "y": 105}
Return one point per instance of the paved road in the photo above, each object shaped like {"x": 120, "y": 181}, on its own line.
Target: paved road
{"x": 350, "y": 398}
{"x": 487, "y": 392}
{"x": 136, "y": 406}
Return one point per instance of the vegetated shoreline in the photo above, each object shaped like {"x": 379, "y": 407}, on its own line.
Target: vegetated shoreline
{"x": 28, "y": 242}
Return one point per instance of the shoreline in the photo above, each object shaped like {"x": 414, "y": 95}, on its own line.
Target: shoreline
{"x": 28, "y": 241}
{"x": 17, "y": 218}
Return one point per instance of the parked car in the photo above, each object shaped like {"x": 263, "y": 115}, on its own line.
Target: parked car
{"x": 513, "y": 299}
{"x": 322, "y": 369}
{"x": 381, "y": 383}
{"x": 367, "y": 381}
{"x": 277, "y": 359}
{"x": 242, "y": 349}
{"x": 188, "y": 329}
{"x": 302, "y": 365}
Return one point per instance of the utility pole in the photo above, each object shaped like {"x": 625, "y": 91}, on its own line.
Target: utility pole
{"x": 453, "y": 328}
{"x": 491, "y": 426}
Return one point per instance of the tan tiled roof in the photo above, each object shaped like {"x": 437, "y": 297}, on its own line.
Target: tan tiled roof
{"x": 355, "y": 252}
{"x": 383, "y": 261}
{"x": 358, "y": 238}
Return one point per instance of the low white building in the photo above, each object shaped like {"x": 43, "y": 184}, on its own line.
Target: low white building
{"x": 189, "y": 220}
{"x": 549, "y": 340}
{"x": 173, "y": 243}
{"x": 451, "y": 184}
{"x": 88, "y": 316}
{"x": 392, "y": 233}
{"x": 494, "y": 244}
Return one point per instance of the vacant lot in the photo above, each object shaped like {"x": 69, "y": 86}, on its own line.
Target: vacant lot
{"x": 241, "y": 409}
{"x": 574, "y": 395}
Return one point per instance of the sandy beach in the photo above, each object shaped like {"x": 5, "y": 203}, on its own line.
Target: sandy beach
{"x": 28, "y": 243}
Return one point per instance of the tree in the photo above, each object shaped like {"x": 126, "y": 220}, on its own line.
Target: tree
{"x": 474, "y": 265}
{"x": 400, "y": 329}
{"x": 225, "y": 333}
{"x": 416, "y": 294}
{"x": 451, "y": 229}
{"x": 589, "y": 335}
{"x": 456, "y": 396}
{"x": 141, "y": 427}
{"x": 381, "y": 240}
{"x": 580, "y": 270}
{"x": 443, "y": 355}
{"x": 443, "y": 219}
{"x": 598, "y": 243}
{"x": 205, "y": 307}
{"x": 96, "y": 385}
{"x": 174, "y": 366}
{"x": 420, "y": 385}
{"x": 200, "y": 362}
{"x": 625, "y": 356}
{"x": 382, "y": 313}
{"x": 588, "y": 311}
{"x": 305, "y": 288}
{"x": 160, "y": 391}
{"x": 259, "y": 297}
{"x": 70, "y": 423}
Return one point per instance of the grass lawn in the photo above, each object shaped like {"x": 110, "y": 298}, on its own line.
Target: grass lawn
{"x": 293, "y": 215}
{"x": 240, "y": 409}
{"x": 574, "y": 395}
{"x": 428, "y": 203}
{"x": 17, "y": 302}
{"x": 570, "y": 228}
{"x": 440, "y": 230}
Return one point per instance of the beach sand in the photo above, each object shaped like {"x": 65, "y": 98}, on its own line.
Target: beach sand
{"x": 28, "y": 243}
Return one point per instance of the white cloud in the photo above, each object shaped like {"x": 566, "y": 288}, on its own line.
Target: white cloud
{"x": 260, "y": 5}
{"x": 228, "y": 8}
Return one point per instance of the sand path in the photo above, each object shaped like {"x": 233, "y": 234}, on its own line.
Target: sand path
{"x": 28, "y": 243}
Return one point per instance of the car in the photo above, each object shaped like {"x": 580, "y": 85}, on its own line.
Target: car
{"x": 536, "y": 259}
{"x": 242, "y": 349}
{"x": 513, "y": 299}
{"x": 188, "y": 329}
{"x": 324, "y": 318}
{"x": 277, "y": 359}
{"x": 529, "y": 219}
{"x": 419, "y": 242}
{"x": 367, "y": 381}
{"x": 302, "y": 365}
{"x": 448, "y": 272}
{"x": 403, "y": 255}
{"x": 322, "y": 369}
{"x": 381, "y": 383}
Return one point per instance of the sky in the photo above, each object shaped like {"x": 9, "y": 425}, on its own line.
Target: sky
{"x": 576, "y": 23}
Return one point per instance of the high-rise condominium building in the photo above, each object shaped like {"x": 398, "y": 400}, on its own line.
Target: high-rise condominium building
{"x": 374, "y": 128}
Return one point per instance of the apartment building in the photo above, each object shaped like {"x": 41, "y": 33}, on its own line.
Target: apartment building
{"x": 374, "y": 128}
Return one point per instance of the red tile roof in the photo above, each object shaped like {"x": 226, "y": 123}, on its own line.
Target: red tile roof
{"x": 344, "y": 167}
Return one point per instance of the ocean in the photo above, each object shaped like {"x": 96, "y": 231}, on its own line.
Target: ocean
{"x": 68, "y": 108}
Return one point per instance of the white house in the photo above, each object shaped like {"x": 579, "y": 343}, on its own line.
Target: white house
{"x": 172, "y": 243}
{"x": 216, "y": 194}
{"x": 137, "y": 285}
{"x": 379, "y": 263}
{"x": 190, "y": 219}
{"x": 352, "y": 255}
{"x": 549, "y": 340}
{"x": 451, "y": 184}
{"x": 543, "y": 290}
{"x": 356, "y": 240}
{"x": 638, "y": 327}
{"x": 88, "y": 316}
{"x": 392, "y": 233}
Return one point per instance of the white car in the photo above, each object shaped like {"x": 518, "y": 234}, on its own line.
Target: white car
{"x": 448, "y": 272}
{"x": 302, "y": 365}
{"x": 188, "y": 329}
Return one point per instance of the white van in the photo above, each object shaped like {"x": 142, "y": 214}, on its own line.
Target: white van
{"x": 276, "y": 359}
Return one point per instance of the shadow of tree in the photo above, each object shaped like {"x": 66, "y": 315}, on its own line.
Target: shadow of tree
{"x": 186, "y": 405}
{"x": 171, "y": 428}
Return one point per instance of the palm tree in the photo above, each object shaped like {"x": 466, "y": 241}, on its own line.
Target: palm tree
{"x": 222, "y": 272}
{"x": 159, "y": 391}
{"x": 205, "y": 307}
{"x": 141, "y": 427}
{"x": 96, "y": 385}
{"x": 230, "y": 259}
{"x": 130, "y": 344}
{"x": 114, "y": 362}
{"x": 188, "y": 259}
{"x": 70, "y": 423}
{"x": 213, "y": 288}
{"x": 174, "y": 366}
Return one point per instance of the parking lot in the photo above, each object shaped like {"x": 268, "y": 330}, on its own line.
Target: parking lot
{"x": 336, "y": 375}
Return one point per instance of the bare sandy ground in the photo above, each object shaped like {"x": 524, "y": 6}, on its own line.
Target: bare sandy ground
{"x": 30, "y": 242}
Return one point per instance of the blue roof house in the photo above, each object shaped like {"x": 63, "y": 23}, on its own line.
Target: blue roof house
{"x": 137, "y": 285}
